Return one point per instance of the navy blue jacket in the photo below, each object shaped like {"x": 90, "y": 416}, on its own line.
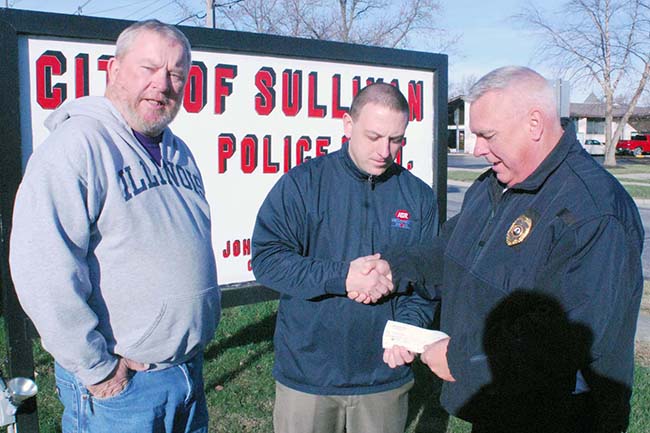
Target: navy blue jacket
{"x": 584, "y": 250}
{"x": 319, "y": 217}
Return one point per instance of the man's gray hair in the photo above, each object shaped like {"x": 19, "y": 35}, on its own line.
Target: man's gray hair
{"x": 533, "y": 86}
{"x": 500, "y": 79}
{"x": 128, "y": 35}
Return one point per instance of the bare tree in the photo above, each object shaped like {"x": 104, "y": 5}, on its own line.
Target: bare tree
{"x": 370, "y": 22}
{"x": 602, "y": 41}
{"x": 186, "y": 15}
{"x": 461, "y": 87}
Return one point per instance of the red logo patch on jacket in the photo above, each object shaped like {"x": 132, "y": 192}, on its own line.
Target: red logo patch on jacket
{"x": 402, "y": 215}
{"x": 401, "y": 220}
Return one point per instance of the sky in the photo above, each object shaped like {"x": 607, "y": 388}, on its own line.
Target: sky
{"x": 490, "y": 36}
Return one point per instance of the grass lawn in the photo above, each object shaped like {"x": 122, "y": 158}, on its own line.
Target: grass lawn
{"x": 463, "y": 175}
{"x": 636, "y": 191}
{"x": 630, "y": 169}
{"x": 240, "y": 388}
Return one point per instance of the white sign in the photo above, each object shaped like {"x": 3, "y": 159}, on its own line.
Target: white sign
{"x": 247, "y": 118}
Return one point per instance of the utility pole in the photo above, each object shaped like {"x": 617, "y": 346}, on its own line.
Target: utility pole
{"x": 209, "y": 13}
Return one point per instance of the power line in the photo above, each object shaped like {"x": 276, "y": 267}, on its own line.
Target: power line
{"x": 79, "y": 10}
{"x": 129, "y": 5}
{"x": 161, "y": 7}
{"x": 151, "y": 3}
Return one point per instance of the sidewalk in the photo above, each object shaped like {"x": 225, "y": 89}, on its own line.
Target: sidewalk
{"x": 643, "y": 328}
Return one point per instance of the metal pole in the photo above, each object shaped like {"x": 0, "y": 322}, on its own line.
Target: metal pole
{"x": 209, "y": 13}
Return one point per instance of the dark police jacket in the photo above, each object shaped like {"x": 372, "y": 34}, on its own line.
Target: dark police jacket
{"x": 576, "y": 236}
{"x": 319, "y": 217}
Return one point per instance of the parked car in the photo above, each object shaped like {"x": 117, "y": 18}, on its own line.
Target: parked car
{"x": 594, "y": 147}
{"x": 637, "y": 145}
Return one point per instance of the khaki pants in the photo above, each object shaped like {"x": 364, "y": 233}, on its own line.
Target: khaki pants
{"x": 299, "y": 412}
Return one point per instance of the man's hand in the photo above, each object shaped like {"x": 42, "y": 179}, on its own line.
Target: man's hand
{"x": 117, "y": 380}
{"x": 369, "y": 279}
{"x": 435, "y": 356}
{"x": 397, "y": 356}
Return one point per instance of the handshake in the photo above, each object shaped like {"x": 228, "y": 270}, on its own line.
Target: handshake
{"x": 369, "y": 279}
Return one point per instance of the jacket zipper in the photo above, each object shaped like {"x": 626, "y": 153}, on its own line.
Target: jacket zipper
{"x": 371, "y": 186}
{"x": 497, "y": 207}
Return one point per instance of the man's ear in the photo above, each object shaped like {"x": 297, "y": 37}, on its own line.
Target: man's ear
{"x": 347, "y": 125}
{"x": 112, "y": 69}
{"x": 536, "y": 124}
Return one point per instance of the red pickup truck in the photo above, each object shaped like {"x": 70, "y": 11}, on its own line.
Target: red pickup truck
{"x": 637, "y": 145}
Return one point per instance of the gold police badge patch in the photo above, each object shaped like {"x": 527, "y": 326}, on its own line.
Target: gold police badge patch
{"x": 519, "y": 230}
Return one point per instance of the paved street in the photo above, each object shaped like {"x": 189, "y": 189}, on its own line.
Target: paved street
{"x": 456, "y": 192}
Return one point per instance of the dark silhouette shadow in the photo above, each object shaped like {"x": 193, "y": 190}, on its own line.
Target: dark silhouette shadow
{"x": 424, "y": 398}
{"x": 255, "y": 333}
{"x": 534, "y": 353}
{"x": 424, "y": 407}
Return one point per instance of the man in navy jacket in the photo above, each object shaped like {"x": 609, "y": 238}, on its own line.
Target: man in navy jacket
{"x": 546, "y": 229}
{"x": 331, "y": 237}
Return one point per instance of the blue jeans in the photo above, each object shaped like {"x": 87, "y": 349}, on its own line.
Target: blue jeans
{"x": 163, "y": 401}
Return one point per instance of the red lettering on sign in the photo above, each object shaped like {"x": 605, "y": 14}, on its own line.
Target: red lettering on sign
{"x": 338, "y": 110}
{"x": 81, "y": 74}
{"x": 322, "y": 143}
{"x": 416, "y": 107}
{"x": 249, "y": 154}
{"x": 236, "y": 248}
{"x": 102, "y": 64}
{"x": 265, "y": 99}
{"x": 196, "y": 89}
{"x": 302, "y": 145}
{"x": 356, "y": 85}
{"x": 291, "y": 92}
{"x": 223, "y": 88}
{"x": 287, "y": 153}
{"x": 269, "y": 167}
{"x": 226, "y": 149}
{"x": 313, "y": 108}
{"x": 48, "y": 64}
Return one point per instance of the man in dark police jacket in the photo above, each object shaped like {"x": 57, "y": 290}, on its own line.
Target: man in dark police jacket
{"x": 329, "y": 237}
{"x": 542, "y": 274}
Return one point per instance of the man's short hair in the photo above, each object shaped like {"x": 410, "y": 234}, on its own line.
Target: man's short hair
{"x": 534, "y": 87}
{"x": 382, "y": 94}
{"x": 128, "y": 35}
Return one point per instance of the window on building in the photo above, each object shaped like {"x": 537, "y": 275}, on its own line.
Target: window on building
{"x": 456, "y": 114}
{"x": 596, "y": 126}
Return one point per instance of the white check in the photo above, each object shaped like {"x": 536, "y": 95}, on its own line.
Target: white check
{"x": 411, "y": 337}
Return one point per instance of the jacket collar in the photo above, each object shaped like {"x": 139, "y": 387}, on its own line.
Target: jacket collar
{"x": 567, "y": 143}
{"x": 359, "y": 174}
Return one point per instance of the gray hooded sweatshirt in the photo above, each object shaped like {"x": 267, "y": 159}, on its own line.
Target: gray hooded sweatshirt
{"x": 110, "y": 253}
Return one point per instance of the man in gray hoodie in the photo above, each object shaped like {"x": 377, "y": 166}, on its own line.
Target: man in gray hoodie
{"x": 111, "y": 251}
